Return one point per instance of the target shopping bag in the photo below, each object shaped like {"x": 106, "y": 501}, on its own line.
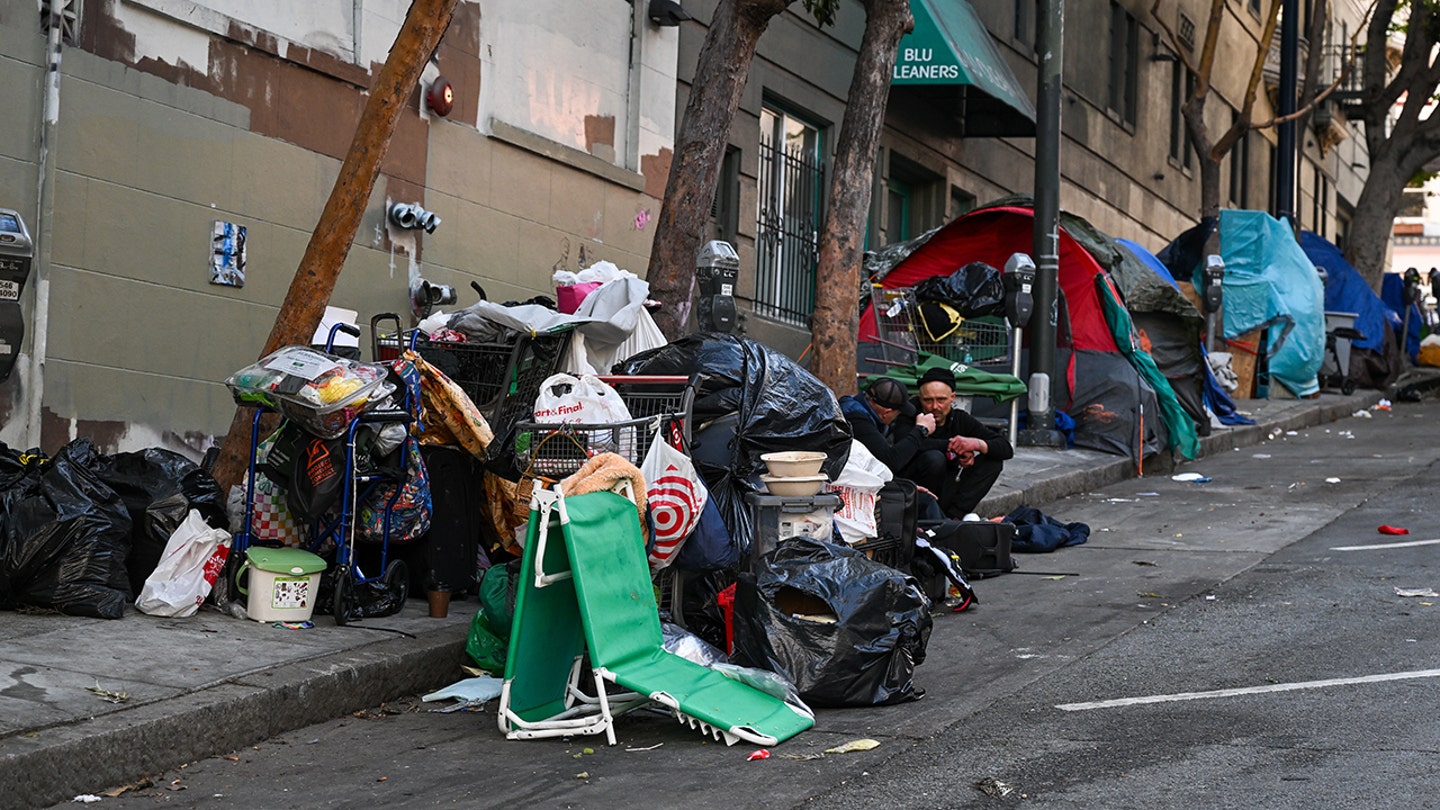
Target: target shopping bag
{"x": 676, "y": 497}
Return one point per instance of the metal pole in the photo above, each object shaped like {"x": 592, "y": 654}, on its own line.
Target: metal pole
{"x": 1285, "y": 151}
{"x": 44, "y": 206}
{"x": 1050, "y": 38}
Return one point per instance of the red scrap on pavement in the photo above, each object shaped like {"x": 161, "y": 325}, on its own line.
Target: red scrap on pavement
{"x": 1393, "y": 530}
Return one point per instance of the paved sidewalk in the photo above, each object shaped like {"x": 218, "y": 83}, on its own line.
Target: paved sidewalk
{"x": 88, "y": 701}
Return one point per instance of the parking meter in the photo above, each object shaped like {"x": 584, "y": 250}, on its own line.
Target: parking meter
{"x": 717, "y": 267}
{"x": 1019, "y": 278}
{"x": 1214, "y": 276}
{"x": 1435, "y": 283}
{"x": 17, "y": 253}
{"x": 1412, "y": 284}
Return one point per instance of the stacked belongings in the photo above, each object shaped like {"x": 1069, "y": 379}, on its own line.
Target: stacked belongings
{"x": 349, "y": 468}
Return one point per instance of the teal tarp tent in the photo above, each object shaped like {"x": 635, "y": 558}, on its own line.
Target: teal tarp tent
{"x": 1270, "y": 284}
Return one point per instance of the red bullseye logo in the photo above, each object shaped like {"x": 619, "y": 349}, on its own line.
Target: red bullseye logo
{"x": 675, "y": 504}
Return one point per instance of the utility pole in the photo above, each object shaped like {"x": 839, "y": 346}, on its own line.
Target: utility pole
{"x": 1285, "y": 140}
{"x": 314, "y": 281}
{"x": 1050, "y": 38}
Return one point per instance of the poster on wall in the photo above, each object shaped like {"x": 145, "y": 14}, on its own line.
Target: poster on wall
{"x": 227, "y": 254}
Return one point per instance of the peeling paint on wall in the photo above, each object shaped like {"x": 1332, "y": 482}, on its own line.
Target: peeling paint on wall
{"x": 656, "y": 169}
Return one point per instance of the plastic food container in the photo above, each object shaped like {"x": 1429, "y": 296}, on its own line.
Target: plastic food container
{"x": 800, "y": 486}
{"x": 283, "y": 583}
{"x": 322, "y": 392}
{"x": 793, "y": 463}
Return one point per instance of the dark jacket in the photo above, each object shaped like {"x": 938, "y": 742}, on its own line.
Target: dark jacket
{"x": 894, "y": 448}
{"x": 958, "y": 423}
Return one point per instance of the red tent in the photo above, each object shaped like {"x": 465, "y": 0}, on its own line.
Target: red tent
{"x": 992, "y": 235}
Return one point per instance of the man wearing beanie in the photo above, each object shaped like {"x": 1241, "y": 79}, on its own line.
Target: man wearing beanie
{"x": 875, "y": 418}
{"x": 960, "y": 459}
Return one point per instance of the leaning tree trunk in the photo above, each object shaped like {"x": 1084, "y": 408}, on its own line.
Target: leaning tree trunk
{"x": 1367, "y": 241}
{"x": 314, "y": 281}
{"x": 837, "y": 276}
{"x": 720, "y": 74}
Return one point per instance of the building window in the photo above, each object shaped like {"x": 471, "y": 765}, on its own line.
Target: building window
{"x": 789, "y": 217}
{"x": 897, "y": 211}
{"x": 1124, "y": 62}
{"x": 1240, "y": 170}
{"x": 1182, "y": 84}
{"x": 961, "y": 202}
{"x": 1027, "y": 22}
{"x": 725, "y": 209}
{"x": 1319, "y": 205}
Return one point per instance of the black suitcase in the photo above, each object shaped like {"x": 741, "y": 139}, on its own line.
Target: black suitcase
{"x": 983, "y": 547}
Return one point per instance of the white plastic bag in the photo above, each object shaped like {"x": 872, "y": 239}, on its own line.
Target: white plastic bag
{"x": 676, "y": 497}
{"x": 568, "y": 399}
{"x": 187, "y": 571}
{"x": 857, "y": 486}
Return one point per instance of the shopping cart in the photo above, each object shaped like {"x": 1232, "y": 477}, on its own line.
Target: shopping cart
{"x": 501, "y": 378}
{"x": 981, "y": 341}
{"x": 895, "y": 315}
{"x": 359, "y": 482}
{"x": 661, "y": 407}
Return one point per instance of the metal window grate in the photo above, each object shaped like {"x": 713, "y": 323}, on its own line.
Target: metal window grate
{"x": 787, "y": 244}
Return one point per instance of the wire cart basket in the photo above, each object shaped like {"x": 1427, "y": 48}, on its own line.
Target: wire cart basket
{"x": 980, "y": 341}
{"x": 895, "y": 314}
{"x": 501, "y": 378}
{"x": 660, "y": 407}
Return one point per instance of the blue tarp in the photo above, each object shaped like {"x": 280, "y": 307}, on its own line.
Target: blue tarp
{"x": 1270, "y": 284}
{"x": 1346, "y": 291}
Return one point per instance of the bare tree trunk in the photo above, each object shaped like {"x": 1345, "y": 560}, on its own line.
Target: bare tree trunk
{"x": 314, "y": 281}
{"x": 720, "y": 74}
{"x": 1400, "y": 145}
{"x": 837, "y": 278}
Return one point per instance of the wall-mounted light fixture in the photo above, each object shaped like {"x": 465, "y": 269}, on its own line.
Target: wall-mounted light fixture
{"x": 440, "y": 98}
{"x": 667, "y": 13}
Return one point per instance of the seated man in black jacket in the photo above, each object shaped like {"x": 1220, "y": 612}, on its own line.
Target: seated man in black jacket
{"x": 874, "y": 417}
{"x": 960, "y": 459}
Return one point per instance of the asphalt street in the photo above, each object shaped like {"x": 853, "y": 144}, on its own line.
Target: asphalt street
{"x": 1092, "y": 679}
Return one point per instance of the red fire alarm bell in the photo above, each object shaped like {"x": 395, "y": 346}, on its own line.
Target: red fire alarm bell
{"x": 441, "y": 96}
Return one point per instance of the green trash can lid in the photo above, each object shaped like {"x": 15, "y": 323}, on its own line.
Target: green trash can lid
{"x": 284, "y": 560}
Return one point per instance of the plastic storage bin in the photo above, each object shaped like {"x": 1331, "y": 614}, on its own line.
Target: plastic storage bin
{"x": 283, "y": 583}
{"x": 320, "y": 391}
{"x": 776, "y": 518}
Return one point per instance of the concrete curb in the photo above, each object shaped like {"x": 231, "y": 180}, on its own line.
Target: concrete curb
{"x": 120, "y": 747}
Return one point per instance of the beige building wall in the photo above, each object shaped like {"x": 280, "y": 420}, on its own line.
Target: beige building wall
{"x": 173, "y": 115}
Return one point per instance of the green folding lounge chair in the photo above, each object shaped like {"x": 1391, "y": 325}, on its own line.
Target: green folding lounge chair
{"x": 541, "y": 695}
{"x": 609, "y": 582}
{"x": 622, "y": 630}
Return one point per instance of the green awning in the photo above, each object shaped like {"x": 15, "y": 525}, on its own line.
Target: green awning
{"x": 951, "y": 48}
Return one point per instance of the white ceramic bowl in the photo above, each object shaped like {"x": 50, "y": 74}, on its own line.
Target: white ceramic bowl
{"x": 793, "y": 463}
{"x": 798, "y": 486}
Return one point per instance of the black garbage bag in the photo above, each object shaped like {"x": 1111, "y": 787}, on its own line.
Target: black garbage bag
{"x": 866, "y": 657}
{"x": 15, "y": 465}
{"x": 974, "y": 290}
{"x": 158, "y": 488}
{"x": 781, "y": 405}
{"x": 65, "y": 537}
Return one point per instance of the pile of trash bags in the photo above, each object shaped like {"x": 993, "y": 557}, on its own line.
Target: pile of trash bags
{"x": 750, "y": 400}
{"x": 80, "y": 531}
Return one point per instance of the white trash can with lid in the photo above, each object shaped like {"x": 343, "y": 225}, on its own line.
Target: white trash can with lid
{"x": 283, "y": 583}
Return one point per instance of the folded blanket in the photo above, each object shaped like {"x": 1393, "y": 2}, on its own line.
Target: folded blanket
{"x": 605, "y": 473}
